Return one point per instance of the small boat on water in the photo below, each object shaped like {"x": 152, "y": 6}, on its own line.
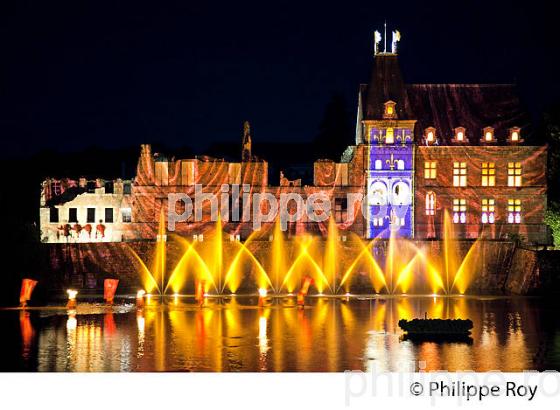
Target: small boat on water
{"x": 440, "y": 327}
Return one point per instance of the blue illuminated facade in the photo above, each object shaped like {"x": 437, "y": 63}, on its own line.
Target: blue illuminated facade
{"x": 389, "y": 178}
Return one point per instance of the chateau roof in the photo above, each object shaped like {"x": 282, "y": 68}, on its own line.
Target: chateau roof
{"x": 443, "y": 106}
{"x": 386, "y": 84}
{"x": 473, "y": 106}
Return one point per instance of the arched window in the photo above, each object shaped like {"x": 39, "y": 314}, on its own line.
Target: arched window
{"x": 460, "y": 135}
{"x": 389, "y": 110}
{"x": 430, "y": 136}
{"x": 400, "y": 164}
{"x": 401, "y": 194}
{"x": 378, "y": 193}
{"x": 389, "y": 136}
{"x": 515, "y": 135}
{"x": 430, "y": 203}
{"x": 488, "y": 135}
{"x": 377, "y": 164}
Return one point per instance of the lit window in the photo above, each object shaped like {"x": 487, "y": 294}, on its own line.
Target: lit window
{"x": 488, "y": 134}
{"x": 430, "y": 203}
{"x": 430, "y": 170}
{"x": 400, "y": 164}
{"x": 377, "y": 193}
{"x": 389, "y": 111}
{"x": 126, "y": 215}
{"x": 515, "y": 135}
{"x": 378, "y": 164}
{"x": 514, "y": 211}
{"x": 488, "y": 206}
{"x": 514, "y": 173}
{"x": 389, "y": 136}
{"x": 430, "y": 135}
{"x": 459, "y": 174}
{"x": 460, "y": 134}
{"x": 488, "y": 174}
{"x": 459, "y": 211}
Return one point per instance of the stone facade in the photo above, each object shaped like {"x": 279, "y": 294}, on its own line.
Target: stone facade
{"x": 488, "y": 207}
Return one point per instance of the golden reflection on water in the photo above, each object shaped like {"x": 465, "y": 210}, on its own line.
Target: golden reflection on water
{"x": 27, "y": 333}
{"x": 331, "y": 334}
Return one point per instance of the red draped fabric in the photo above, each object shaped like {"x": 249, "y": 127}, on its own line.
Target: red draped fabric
{"x": 109, "y": 289}
{"x": 27, "y": 286}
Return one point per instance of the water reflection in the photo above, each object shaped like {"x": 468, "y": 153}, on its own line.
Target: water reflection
{"x": 27, "y": 333}
{"x": 328, "y": 335}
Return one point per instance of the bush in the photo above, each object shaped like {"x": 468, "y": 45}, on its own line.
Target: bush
{"x": 552, "y": 219}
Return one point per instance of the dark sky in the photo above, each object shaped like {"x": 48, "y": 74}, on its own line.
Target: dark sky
{"x": 76, "y": 73}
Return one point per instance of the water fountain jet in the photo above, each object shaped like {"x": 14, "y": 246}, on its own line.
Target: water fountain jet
{"x": 393, "y": 266}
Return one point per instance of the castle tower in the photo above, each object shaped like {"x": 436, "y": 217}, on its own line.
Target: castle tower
{"x": 386, "y": 127}
{"x": 246, "y": 155}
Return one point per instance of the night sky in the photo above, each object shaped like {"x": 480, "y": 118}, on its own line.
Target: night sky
{"x": 115, "y": 74}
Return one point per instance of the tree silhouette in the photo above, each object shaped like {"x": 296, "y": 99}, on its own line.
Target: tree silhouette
{"x": 335, "y": 130}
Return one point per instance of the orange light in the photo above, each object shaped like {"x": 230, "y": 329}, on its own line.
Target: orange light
{"x": 72, "y": 294}
{"x": 71, "y": 298}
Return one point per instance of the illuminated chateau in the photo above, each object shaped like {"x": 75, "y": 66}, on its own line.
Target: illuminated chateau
{"x": 422, "y": 153}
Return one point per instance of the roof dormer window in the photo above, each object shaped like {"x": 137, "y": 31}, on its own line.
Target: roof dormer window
{"x": 430, "y": 135}
{"x": 488, "y": 135}
{"x": 460, "y": 136}
{"x": 515, "y": 135}
{"x": 389, "y": 110}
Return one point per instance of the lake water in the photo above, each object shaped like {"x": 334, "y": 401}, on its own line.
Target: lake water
{"x": 328, "y": 335}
